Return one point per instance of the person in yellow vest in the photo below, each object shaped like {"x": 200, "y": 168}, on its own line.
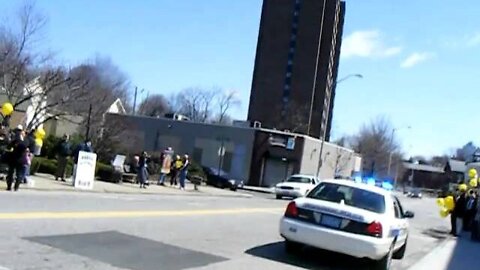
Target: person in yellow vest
{"x": 176, "y": 166}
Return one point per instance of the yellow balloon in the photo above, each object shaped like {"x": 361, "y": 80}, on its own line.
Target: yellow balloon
{"x": 441, "y": 202}
{"x": 40, "y": 133}
{"x": 449, "y": 203}
{"x": 38, "y": 142}
{"x": 7, "y": 109}
{"x": 473, "y": 182}
{"x": 444, "y": 212}
{"x": 472, "y": 173}
{"x": 462, "y": 187}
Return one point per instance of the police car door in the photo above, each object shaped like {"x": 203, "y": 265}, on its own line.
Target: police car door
{"x": 400, "y": 225}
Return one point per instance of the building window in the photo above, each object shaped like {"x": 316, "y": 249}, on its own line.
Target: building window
{"x": 288, "y": 80}
{"x": 289, "y": 68}
{"x": 197, "y": 155}
{"x": 227, "y": 162}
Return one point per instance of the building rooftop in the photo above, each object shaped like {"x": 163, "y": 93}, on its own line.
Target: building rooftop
{"x": 422, "y": 167}
{"x": 457, "y": 165}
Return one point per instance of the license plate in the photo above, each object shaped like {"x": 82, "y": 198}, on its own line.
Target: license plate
{"x": 330, "y": 221}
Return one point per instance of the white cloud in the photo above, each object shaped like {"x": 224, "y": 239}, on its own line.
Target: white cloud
{"x": 474, "y": 40}
{"x": 367, "y": 44}
{"x": 416, "y": 58}
{"x": 461, "y": 42}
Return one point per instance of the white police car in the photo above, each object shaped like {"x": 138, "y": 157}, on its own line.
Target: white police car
{"x": 297, "y": 185}
{"x": 342, "y": 216}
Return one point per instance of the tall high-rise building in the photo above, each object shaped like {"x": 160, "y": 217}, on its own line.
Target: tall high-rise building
{"x": 296, "y": 65}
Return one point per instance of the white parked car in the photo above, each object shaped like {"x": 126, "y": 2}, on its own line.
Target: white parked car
{"x": 297, "y": 185}
{"x": 342, "y": 216}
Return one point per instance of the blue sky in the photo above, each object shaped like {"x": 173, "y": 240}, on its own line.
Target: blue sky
{"x": 419, "y": 59}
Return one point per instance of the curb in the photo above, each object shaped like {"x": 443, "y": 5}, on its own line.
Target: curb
{"x": 431, "y": 256}
{"x": 188, "y": 193}
{"x": 258, "y": 190}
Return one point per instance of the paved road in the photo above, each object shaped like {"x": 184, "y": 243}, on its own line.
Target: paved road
{"x": 54, "y": 230}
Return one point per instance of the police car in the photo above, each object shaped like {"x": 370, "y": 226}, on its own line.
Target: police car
{"x": 297, "y": 185}
{"x": 352, "y": 218}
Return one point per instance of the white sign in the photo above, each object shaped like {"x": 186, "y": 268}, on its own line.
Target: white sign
{"x": 85, "y": 171}
{"x": 119, "y": 161}
{"x": 221, "y": 151}
{"x": 290, "y": 143}
{"x": 167, "y": 161}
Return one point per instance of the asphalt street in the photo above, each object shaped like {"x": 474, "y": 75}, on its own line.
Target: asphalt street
{"x": 67, "y": 230}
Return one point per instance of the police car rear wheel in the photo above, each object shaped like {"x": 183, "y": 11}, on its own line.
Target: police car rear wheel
{"x": 385, "y": 262}
{"x": 399, "y": 254}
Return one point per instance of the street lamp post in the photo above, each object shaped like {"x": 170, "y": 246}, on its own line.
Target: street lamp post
{"x": 390, "y": 156}
{"x": 323, "y": 128}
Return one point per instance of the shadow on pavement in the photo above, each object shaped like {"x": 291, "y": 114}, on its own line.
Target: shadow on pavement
{"x": 437, "y": 233}
{"x": 308, "y": 258}
{"x": 466, "y": 254}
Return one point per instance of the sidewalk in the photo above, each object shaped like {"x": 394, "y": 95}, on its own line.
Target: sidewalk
{"x": 45, "y": 182}
{"x": 259, "y": 189}
{"x": 452, "y": 254}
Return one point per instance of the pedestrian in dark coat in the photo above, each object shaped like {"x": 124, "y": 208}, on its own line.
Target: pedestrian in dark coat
{"x": 142, "y": 170}
{"x": 16, "y": 162}
{"x": 458, "y": 212}
{"x": 63, "y": 152}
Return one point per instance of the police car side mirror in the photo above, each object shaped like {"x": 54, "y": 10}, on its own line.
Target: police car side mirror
{"x": 408, "y": 214}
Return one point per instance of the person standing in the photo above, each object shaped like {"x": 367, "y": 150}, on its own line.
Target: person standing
{"x": 459, "y": 211}
{"x": 184, "y": 172}
{"x": 142, "y": 170}
{"x": 176, "y": 166}
{"x": 16, "y": 161}
{"x": 63, "y": 151}
{"x": 166, "y": 165}
{"x": 470, "y": 210}
{"x": 27, "y": 163}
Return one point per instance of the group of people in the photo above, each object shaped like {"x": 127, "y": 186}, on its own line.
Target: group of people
{"x": 174, "y": 167}
{"x": 64, "y": 151}
{"x": 463, "y": 217}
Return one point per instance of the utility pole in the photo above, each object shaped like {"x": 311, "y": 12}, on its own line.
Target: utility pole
{"x": 87, "y": 135}
{"x": 135, "y": 101}
{"x": 323, "y": 128}
{"x": 312, "y": 100}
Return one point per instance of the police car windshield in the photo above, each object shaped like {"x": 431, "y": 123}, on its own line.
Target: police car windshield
{"x": 299, "y": 179}
{"x": 351, "y": 196}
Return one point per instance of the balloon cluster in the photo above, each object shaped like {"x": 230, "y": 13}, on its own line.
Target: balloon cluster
{"x": 447, "y": 204}
{"x": 39, "y": 136}
{"x": 7, "y": 109}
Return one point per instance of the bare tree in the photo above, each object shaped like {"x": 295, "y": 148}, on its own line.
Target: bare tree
{"x": 226, "y": 101}
{"x": 341, "y": 161}
{"x": 195, "y": 103}
{"x": 376, "y": 144}
{"x": 466, "y": 152}
{"x": 154, "y": 105}
{"x": 438, "y": 161}
{"x": 26, "y": 77}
